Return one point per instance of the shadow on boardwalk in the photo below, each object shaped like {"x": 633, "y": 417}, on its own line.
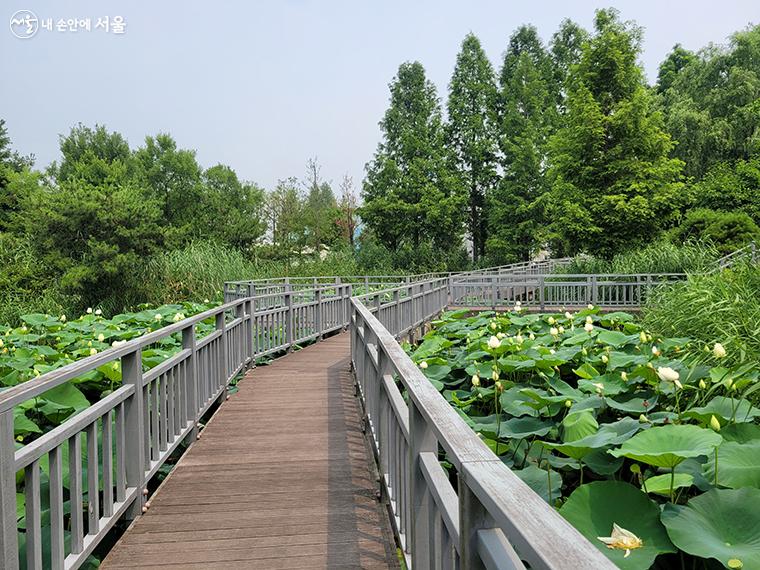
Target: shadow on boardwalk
{"x": 281, "y": 478}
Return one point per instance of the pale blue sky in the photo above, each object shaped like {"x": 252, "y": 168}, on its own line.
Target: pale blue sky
{"x": 264, "y": 85}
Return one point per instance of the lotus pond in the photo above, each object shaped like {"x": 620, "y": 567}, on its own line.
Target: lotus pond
{"x": 652, "y": 456}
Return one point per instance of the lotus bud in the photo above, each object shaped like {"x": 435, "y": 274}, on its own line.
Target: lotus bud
{"x": 101, "y": 337}
{"x": 89, "y": 343}
{"x": 551, "y": 320}
{"x": 719, "y": 351}
{"x": 589, "y": 320}
{"x": 475, "y": 380}
{"x": 605, "y": 359}
{"x": 714, "y": 423}
{"x": 519, "y": 339}
{"x": 553, "y": 331}
{"x": 157, "y": 317}
{"x": 500, "y": 335}
{"x": 494, "y": 342}
{"x": 499, "y": 386}
{"x": 561, "y": 330}
{"x": 599, "y": 387}
{"x": 531, "y": 336}
{"x": 735, "y": 564}
{"x": 568, "y": 403}
{"x": 584, "y": 351}
{"x": 702, "y": 385}
{"x": 568, "y": 315}
{"x": 493, "y": 326}
{"x": 495, "y": 375}
{"x": 63, "y": 318}
{"x": 635, "y": 467}
{"x": 1, "y": 343}
{"x": 423, "y": 365}
{"x": 588, "y": 327}
{"x": 643, "y": 336}
{"x": 656, "y": 351}
{"x": 624, "y": 376}
{"x": 590, "y": 306}
{"x": 93, "y": 351}
{"x": 552, "y": 351}
{"x": 644, "y": 420}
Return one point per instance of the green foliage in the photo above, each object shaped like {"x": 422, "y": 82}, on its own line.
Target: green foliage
{"x": 731, "y": 187}
{"x": 712, "y": 102}
{"x": 472, "y": 132}
{"x": 614, "y": 185}
{"x": 627, "y": 421}
{"x": 658, "y": 257}
{"x": 528, "y": 115}
{"x": 720, "y": 307}
{"x": 727, "y": 231}
{"x": 411, "y": 195}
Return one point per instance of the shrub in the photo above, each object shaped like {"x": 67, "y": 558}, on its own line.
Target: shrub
{"x": 659, "y": 257}
{"x": 728, "y": 231}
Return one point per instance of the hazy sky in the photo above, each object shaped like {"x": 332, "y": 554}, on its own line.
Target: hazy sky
{"x": 263, "y": 85}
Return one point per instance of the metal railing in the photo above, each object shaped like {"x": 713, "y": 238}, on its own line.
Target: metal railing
{"x": 489, "y": 518}
{"x": 105, "y": 455}
{"x": 559, "y": 290}
{"x": 746, "y": 253}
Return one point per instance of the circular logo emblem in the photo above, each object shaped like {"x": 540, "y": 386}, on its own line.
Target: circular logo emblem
{"x": 24, "y": 24}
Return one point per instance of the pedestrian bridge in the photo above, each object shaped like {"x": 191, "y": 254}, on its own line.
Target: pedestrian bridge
{"x": 329, "y": 457}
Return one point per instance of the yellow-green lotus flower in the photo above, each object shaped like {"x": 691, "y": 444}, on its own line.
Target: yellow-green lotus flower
{"x": 423, "y": 365}
{"x": 622, "y": 539}
{"x": 475, "y": 380}
{"x": 718, "y": 350}
{"x": 494, "y": 342}
{"x": 714, "y": 423}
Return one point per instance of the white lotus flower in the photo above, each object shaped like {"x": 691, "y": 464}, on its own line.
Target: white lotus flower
{"x": 551, "y": 320}
{"x": 622, "y": 539}
{"x": 101, "y": 337}
{"x": 568, "y": 315}
{"x": 494, "y": 342}
{"x": 178, "y": 317}
{"x": 590, "y": 306}
{"x": 605, "y": 359}
{"x": 519, "y": 339}
{"x": 495, "y": 375}
{"x": 531, "y": 336}
{"x": 63, "y": 318}
{"x": 561, "y": 330}
{"x": 518, "y": 303}
{"x": 157, "y": 317}
{"x": 517, "y": 308}
{"x": 656, "y": 351}
{"x": 475, "y": 380}
{"x": 588, "y": 327}
{"x": 718, "y": 350}
{"x": 98, "y": 312}
{"x": 669, "y": 375}
{"x": 93, "y": 351}
{"x": 423, "y": 365}
{"x": 553, "y": 331}
{"x": 89, "y": 310}
{"x": 589, "y": 320}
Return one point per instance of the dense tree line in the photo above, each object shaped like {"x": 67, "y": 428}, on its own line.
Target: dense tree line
{"x": 90, "y": 222}
{"x": 566, "y": 146}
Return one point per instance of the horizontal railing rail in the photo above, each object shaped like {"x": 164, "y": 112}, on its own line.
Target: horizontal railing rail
{"x": 490, "y": 518}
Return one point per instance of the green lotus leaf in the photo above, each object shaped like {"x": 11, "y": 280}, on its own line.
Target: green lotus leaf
{"x": 622, "y": 360}
{"x": 660, "y": 484}
{"x": 612, "y": 384}
{"x": 601, "y": 462}
{"x": 431, "y": 346}
{"x": 513, "y": 402}
{"x": 634, "y": 403}
{"x": 723, "y": 524}
{"x": 538, "y": 480}
{"x": 741, "y": 433}
{"x": 738, "y": 465}
{"x": 578, "y": 425}
{"x": 519, "y": 428}
{"x": 593, "y": 509}
{"x": 616, "y": 339}
{"x": 586, "y": 371}
{"x": 736, "y": 410}
{"x": 586, "y": 447}
{"x": 667, "y": 446}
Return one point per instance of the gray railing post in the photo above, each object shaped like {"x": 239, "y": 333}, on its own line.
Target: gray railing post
{"x": 594, "y": 290}
{"x": 753, "y": 252}
{"x": 366, "y": 283}
{"x": 473, "y": 517}
{"x": 541, "y": 301}
{"x": 318, "y": 313}
{"x": 248, "y": 310}
{"x": 450, "y": 287}
{"x": 224, "y": 369}
{"x": 191, "y": 389}
{"x": 493, "y": 291}
{"x": 421, "y": 439}
{"x": 8, "y": 532}
{"x": 396, "y": 312}
{"x": 289, "y": 320}
{"x": 134, "y": 428}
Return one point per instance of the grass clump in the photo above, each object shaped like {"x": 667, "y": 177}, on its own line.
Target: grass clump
{"x": 721, "y": 307}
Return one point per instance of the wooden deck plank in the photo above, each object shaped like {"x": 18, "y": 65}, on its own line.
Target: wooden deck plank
{"x": 281, "y": 478}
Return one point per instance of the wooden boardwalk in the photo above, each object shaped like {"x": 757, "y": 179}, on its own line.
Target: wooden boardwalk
{"x": 282, "y": 477}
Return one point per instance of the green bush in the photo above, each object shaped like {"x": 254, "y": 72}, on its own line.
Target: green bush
{"x": 719, "y": 307}
{"x": 659, "y": 257}
{"x": 728, "y": 231}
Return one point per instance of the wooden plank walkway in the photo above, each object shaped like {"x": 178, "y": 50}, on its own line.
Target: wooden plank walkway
{"x": 282, "y": 477}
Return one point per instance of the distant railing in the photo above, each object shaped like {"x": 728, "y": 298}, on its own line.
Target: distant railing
{"x": 557, "y": 291}
{"x": 489, "y": 518}
{"x": 746, "y": 253}
{"x": 117, "y": 445}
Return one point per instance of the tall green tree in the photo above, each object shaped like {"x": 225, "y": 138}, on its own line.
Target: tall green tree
{"x": 321, "y": 208}
{"x": 712, "y": 102}
{"x": 472, "y": 133}
{"x": 565, "y": 49}
{"x": 88, "y": 155}
{"x": 528, "y": 113}
{"x": 614, "y": 183}
{"x": 16, "y": 181}
{"x": 412, "y": 195}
